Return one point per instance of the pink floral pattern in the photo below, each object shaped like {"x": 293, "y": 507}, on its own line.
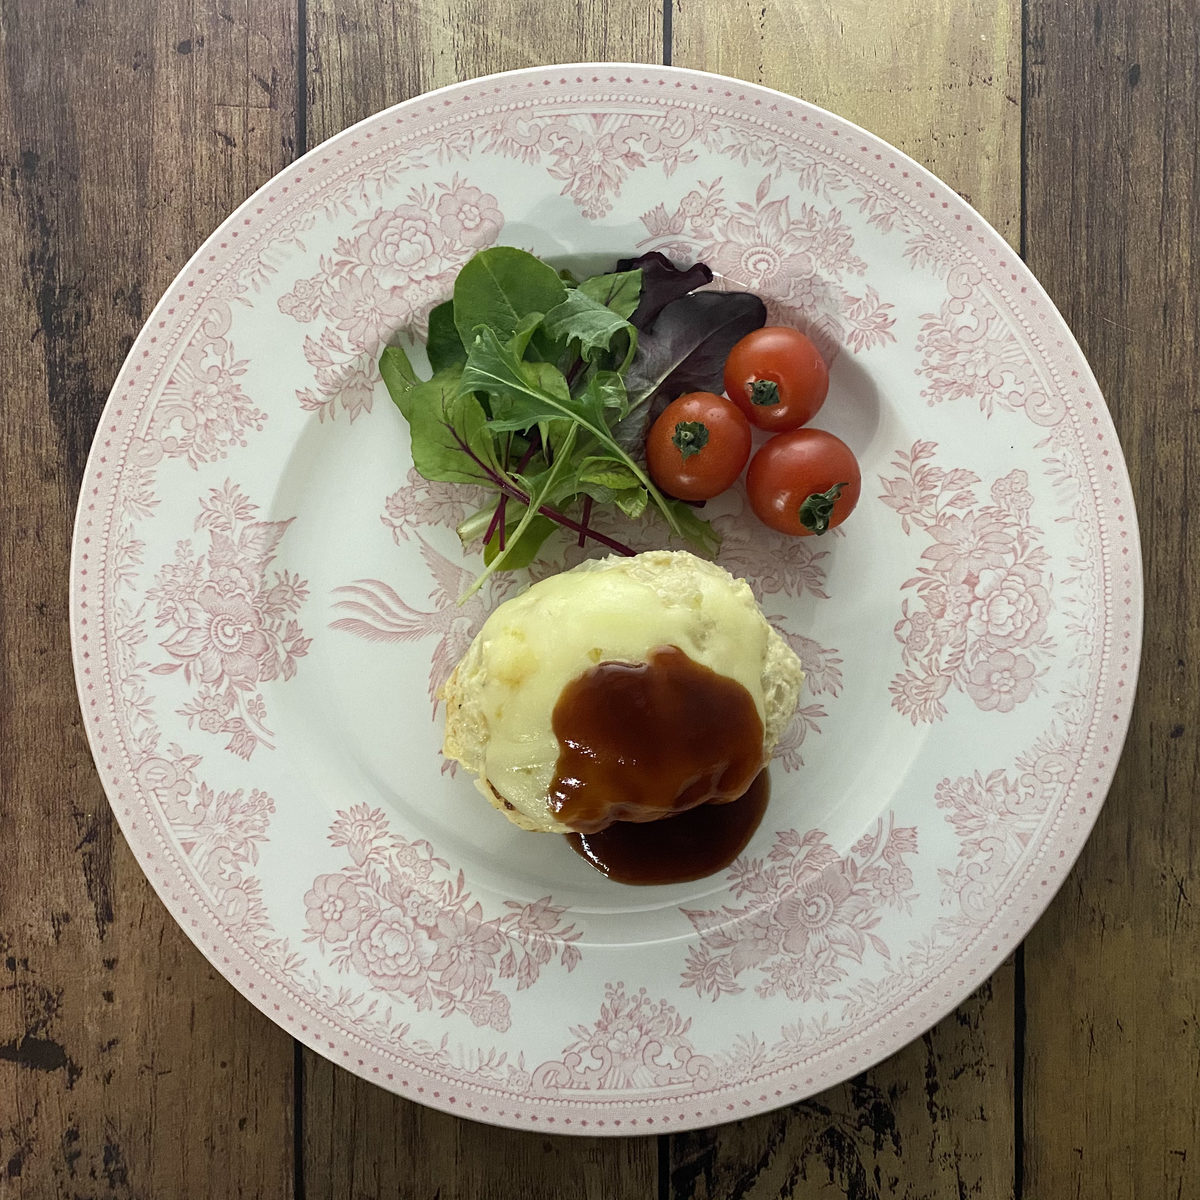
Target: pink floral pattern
{"x": 219, "y": 832}
{"x": 807, "y": 912}
{"x": 978, "y": 619}
{"x": 421, "y": 503}
{"x": 636, "y": 1042}
{"x": 798, "y": 260}
{"x": 996, "y": 817}
{"x": 970, "y": 351}
{"x": 395, "y": 266}
{"x": 230, "y": 627}
{"x": 593, "y": 154}
{"x": 205, "y": 411}
{"x": 395, "y": 915}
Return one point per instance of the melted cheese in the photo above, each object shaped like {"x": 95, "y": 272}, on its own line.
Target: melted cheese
{"x": 615, "y": 610}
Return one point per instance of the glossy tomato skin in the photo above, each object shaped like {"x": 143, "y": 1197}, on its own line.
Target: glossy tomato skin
{"x": 780, "y": 356}
{"x": 698, "y": 446}
{"x": 794, "y": 466}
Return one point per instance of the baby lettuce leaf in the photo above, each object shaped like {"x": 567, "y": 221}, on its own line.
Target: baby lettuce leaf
{"x": 685, "y": 351}
{"x": 444, "y": 345}
{"x": 499, "y": 288}
{"x": 620, "y": 290}
{"x": 686, "y": 347}
{"x": 542, "y": 387}
{"x": 450, "y": 438}
{"x": 524, "y": 394}
{"x": 662, "y": 281}
{"x": 520, "y": 549}
{"x": 606, "y": 389}
{"x": 581, "y": 320}
{"x": 398, "y": 375}
{"x": 694, "y": 527}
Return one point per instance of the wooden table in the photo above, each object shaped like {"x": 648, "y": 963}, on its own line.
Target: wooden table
{"x": 128, "y": 1067}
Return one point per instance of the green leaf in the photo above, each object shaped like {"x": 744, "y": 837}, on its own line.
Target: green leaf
{"x": 523, "y": 334}
{"x": 398, "y": 375}
{"x": 472, "y": 528}
{"x": 444, "y": 347}
{"x": 606, "y": 389}
{"x": 524, "y": 549}
{"x": 450, "y": 439}
{"x": 620, "y": 291}
{"x": 632, "y": 502}
{"x": 537, "y": 497}
{"x": 524, "y": 394}
{"x": 694, "y": 527}
{"x": 608, "y": 472}
{"x": 593, "y": 325}
{"x": 499, "y": 288}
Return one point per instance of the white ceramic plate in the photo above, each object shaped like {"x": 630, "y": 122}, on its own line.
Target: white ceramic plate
{"x": 263, "y": 608}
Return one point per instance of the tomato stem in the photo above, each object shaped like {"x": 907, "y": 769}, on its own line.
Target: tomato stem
{"x": 690, "y": 437}
{"x": 818, "y": 508}
{"x": 764, "y": 393}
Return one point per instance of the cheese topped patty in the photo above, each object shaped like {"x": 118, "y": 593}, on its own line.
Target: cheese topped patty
{"x": 501, "y": 697}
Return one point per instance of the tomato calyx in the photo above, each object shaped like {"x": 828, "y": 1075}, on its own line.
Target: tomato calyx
{"x": 818, "y": 508}
{"x": 764, "y": 393}
{"x": 690, "y": 437}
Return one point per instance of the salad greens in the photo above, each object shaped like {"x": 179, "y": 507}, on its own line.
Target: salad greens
{"x": 544, "y": 386}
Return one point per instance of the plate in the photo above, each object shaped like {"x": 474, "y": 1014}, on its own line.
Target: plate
{"x": 263, "y": 607}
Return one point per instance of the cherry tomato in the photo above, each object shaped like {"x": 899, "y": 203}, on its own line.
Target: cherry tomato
{"x": 777, "y": 377}
{"x": 802, "y": 482}
{"x": 698, "y": 446}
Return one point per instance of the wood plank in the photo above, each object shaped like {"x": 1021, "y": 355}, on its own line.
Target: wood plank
{"x": 363, "y": 1141}
{"x": 358, "y": 1139}
{"x": 1112, "y": 1089}
{"x": 942, "y": 83}
{"x": 365, "y": 56}
{"x": 934, "y": 1120}
{"x": 128, "y": 1067}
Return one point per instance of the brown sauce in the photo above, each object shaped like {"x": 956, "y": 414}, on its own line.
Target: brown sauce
{"x": 642, "y": 743}
{"x": 691, "y": 845}
{"x": 638, "y": 741}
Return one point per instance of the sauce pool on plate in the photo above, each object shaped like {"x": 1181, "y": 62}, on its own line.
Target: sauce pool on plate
{"x": 689, "y": 846}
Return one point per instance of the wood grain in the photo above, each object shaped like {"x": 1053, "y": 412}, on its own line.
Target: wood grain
{"x": 364, "y": 56}
{"x": 128, "y": 131}
{"x": 1112, "y": 1096}
{"x": 363, "y": 1142}
{"x": 943, "y": 84}
{"x": 357, "y": 1139}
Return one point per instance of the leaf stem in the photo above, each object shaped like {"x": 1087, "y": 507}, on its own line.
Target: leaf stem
{"x": 530, "y": 512}
{"x": 587, "y": 516}
{"x": 497, "y": 517}
{"x": 509, "y": 489}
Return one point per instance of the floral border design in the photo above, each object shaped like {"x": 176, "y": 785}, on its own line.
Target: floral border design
{"x": 231, "y": 629}
{"x": 397, "y": 263}
{"x": 807, "y": 910}
{"x": 982, "y": 588}
{"x": 393, "y": 916}
{"x": 800, "y": 259}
